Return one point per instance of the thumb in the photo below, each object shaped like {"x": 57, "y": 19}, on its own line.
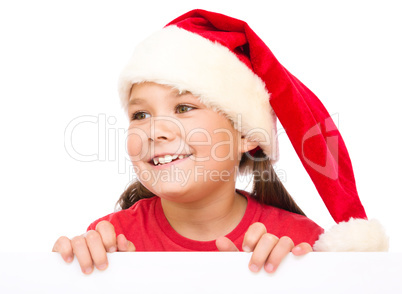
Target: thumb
{"x": 225, "y": 244}
{"x": 123, "y": 245}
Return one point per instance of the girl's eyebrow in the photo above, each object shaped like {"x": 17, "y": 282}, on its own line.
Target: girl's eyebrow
{"x": 182, "y": 93}
{"x": 136, "y": 101}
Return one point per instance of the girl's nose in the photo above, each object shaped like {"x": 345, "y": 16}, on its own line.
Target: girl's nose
{"x": 163, "y": 129}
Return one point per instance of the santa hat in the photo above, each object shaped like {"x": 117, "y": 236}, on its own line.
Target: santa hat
{"x": 223, "y": 62}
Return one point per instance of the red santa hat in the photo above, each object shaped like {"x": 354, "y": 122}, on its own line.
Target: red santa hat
{"x": 223, "y": 62}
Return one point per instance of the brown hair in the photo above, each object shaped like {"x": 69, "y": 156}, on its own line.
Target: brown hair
{"x": 269, "y": 191}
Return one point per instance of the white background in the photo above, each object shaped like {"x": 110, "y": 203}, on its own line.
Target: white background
{"x": 59, "y": 62}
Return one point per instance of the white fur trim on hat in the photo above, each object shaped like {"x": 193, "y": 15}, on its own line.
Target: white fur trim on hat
{"x": 356, "y": 235}
{"x": 210, "y": 71}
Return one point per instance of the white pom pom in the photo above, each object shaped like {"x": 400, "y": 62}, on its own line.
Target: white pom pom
{"x": 358, "y": 235}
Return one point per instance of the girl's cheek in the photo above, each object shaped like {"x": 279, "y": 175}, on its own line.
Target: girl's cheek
{"x": 137, "y": 146}
{"x": 201, "y": 140}
{"x": 224, "y": 146}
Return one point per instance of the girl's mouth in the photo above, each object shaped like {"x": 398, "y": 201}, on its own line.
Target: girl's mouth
{"x": 161, "y": 160}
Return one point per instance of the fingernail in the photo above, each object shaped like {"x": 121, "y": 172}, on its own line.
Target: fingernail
{"x": 297, "y": 248}
{"x": 246, "y": 249}
{"x": 253, "y": 268}
{"x": 102, "y": 266}
{"x": 270, "y": 268}
{"x": 112, "y": 249}
{"x": 69, "y": 259}
{"x": 88, "y": 270}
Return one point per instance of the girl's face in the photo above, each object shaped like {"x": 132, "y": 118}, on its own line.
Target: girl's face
{"x": 178, "y": 146}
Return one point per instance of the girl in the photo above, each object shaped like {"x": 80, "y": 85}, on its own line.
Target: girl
{"x": 202, "y": 96}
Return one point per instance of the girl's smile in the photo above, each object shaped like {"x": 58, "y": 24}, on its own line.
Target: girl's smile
{"x": 166, "y": 161}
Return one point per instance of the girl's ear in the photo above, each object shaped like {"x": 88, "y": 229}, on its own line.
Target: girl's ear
{"x": 247, "y": 145}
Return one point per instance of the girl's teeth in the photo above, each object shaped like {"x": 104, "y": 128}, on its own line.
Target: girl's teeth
{"x": 167, "y": 159}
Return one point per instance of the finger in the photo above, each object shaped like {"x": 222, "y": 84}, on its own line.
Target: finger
{"x": 302, "y": 249}
{"x": 106, "y": 230}
{"x": 261, "y": 252}
{"x": 124, "y": 245}
{"x": 252, "y": 236}
{"x": 80, "y": 249}
{"x": 282, "y": 248}
{"x": 225, "y": 244}
{"x": 96, "y": 249}
{"x": 63, "y": 246}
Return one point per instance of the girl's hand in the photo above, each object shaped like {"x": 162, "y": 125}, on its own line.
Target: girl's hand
{"x": 268, "y": 250}
{"x": 91, "y": 247}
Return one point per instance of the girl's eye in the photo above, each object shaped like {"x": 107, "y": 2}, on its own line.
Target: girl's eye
{"x": 183, "y": 108}
{"x": 139, "y": 115}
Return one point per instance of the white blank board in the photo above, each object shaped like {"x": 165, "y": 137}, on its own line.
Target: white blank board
{"x": 203, "y": 272}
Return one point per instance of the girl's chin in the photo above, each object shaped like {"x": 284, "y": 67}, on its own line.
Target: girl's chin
{"x": 169, "y": 190}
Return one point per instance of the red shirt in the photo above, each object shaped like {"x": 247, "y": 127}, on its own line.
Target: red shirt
{"x": 146, "y": 226}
